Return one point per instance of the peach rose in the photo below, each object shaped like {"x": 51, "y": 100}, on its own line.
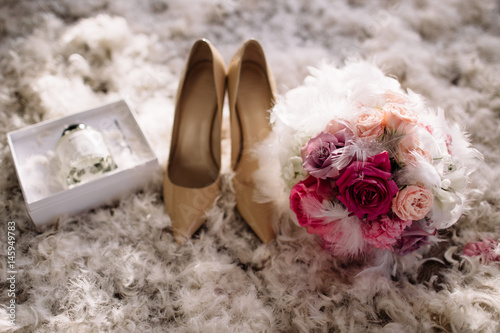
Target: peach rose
{"x": 334, "y": 126}
{"x": 399, "y": 117}
{"x": 412, "y": 203}
{"x": 409, "y": 150}
{"x": 370, "y": 122}
{"x": 394, "y": 97}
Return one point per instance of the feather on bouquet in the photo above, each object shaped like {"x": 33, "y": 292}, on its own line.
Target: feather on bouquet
{"x": 367, "y": 166}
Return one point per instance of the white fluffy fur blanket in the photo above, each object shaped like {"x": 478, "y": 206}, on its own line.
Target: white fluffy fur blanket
{"x": 117, "y": 268}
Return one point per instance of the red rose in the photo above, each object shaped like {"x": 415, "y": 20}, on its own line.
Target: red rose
{"x": 365, "y": 187}
{"x": 305, "y": 200}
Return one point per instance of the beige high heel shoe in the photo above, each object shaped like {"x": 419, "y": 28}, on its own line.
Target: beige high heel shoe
{"x": 251, "y": 91}
{"x": 192, "y": 178}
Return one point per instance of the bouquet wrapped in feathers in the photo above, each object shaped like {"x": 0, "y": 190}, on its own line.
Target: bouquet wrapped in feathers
{"x": 365, "y": 165}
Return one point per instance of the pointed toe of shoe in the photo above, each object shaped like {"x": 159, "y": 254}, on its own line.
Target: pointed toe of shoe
{"x": 187, "y": 207}
{"x": 259, "y": 216}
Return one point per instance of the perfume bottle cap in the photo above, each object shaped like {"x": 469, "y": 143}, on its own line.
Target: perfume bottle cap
{"x": 73, "y": 127}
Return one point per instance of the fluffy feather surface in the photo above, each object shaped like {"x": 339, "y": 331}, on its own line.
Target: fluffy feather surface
{"x": 118, "y": 269}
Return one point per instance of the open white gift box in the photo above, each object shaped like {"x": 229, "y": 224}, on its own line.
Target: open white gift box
{"x": 44, "y": 190}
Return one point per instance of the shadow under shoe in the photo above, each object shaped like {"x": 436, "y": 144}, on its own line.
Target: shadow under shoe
{"x": 192, "y": 178}
{"x": 251, "y": 91}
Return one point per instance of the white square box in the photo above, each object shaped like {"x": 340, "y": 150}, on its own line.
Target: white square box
{"x": 46, "y": 197}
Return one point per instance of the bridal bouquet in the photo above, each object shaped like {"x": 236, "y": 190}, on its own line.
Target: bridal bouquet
{"x": 366, "y": 165}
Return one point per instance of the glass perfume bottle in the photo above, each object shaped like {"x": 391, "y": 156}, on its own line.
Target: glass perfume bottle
{"x": 83, "y": 154}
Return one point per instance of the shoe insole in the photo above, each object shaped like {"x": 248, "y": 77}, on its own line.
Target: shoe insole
{"x": 252, "y": 105}
{"x": 193, "y": 163}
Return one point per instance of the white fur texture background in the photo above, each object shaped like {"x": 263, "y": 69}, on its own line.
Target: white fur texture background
{"x": 117, "y": 268}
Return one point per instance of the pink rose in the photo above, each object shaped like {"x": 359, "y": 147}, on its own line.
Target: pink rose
{"x": 409, "y": 150}
{"x": 394, "y": 97}
{"x": 399, "y": 118}
{"x": 370, "y": 122}
{"x": 334, "y": 126}
{"x": 302, "y": 197}
{"x": 341, "y": 130}
{"x": 384, "y": 232}
{"x": 366, "y": 188}
{"x": 413, "y": 202}
{"x": 484, "y": 249}
{"x": 319, "y": 154}
{"x": 448, "y": 141}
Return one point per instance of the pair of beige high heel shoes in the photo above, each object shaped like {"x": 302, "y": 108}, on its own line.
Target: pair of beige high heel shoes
{"x": 192, "y": 179}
